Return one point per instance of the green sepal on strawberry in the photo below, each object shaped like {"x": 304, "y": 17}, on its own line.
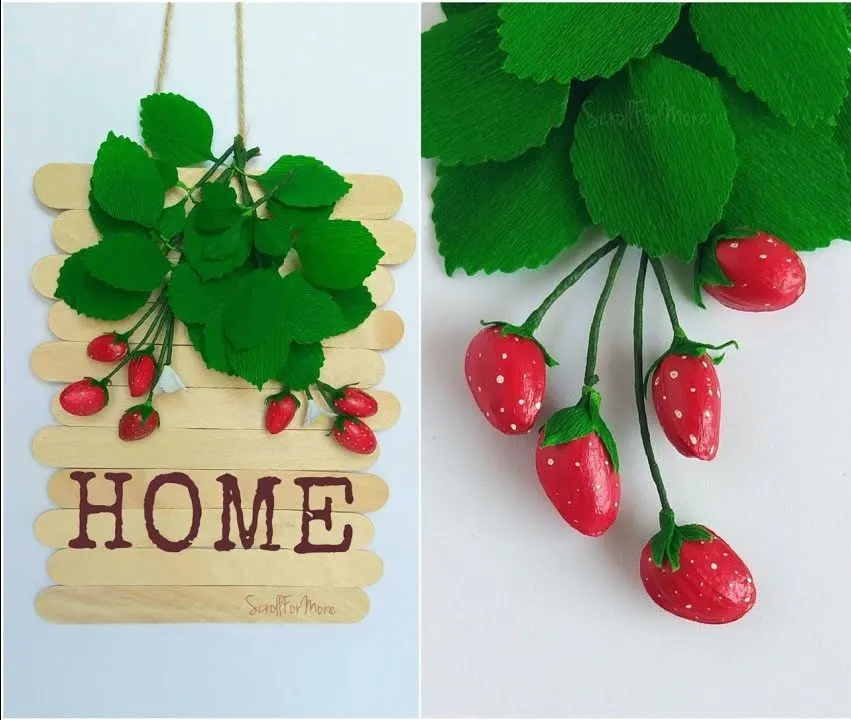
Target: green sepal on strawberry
{"x": 349, "y": 400}
{"x": 138, "y": 422}
{"x": 682, "y": 345}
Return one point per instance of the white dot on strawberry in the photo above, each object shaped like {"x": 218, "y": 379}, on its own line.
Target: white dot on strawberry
{"x": 513, "y": 426}
{"x": 521, "y": 401}
{"x": 673, "y": 374}
{"x": 500, "y": 379}
{"x": 505, "y": 356}
{"x": 763, "y": 257}
{"x": 678, "y": 413}
{"x": 692, "y": 439}
{"x": 734, "y": 245}
{"x": 551, "y": 462}
{"x": 714, "y": 566}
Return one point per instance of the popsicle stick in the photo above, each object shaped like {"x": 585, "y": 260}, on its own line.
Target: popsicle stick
{"x": 65, "y": 186}
{"x": 74, "y": 230}
{"x": 63, "y": 447}
{"x": 380, "y": 331}
{"x": 184, "y": 604}
{"x": 369, "y": 492}
{"x": 67, "y": 361}
{"x": 218, "y": 408}
{"x": 355, "y": 568}
{"x": 45, "y": 274}
{"x": 56, "y": 528}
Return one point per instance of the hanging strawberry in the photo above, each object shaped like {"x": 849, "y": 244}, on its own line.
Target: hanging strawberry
{"x": 84, "y": 397}
{"x": 280, "y": 411}
{"x": 141, "y": 373}
{"x": 109, "y": 347}
{"x": 354, "y": 435}
{"x": 356, "y": 402}
{"x": 138, "y": 422}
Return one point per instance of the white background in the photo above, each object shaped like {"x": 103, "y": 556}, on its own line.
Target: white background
{"x": 522, "y": 616}
{"x": 336, "y": 81}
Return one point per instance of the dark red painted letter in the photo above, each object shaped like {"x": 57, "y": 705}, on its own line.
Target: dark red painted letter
{"x": 157, "y": 538}
{"x": 82, "y": 541}
{"x": 308, "y": 514}
{"x": 231, "y": 497}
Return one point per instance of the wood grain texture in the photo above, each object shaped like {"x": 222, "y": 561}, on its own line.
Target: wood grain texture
{"x": 185, "y": 604}
{"x": 380, "y": 331}
{"x": 205, "y": 408}
{"x": 55, "y": 528}
{"x": 45, "y": 274}
{"x": 88, "y": 447}
{"x": 74, "y": 230}
{"x": 131, "y": 566}
{"x": 65, "y": 186}
{"x": 370, "y": 492}
{"x": 67, "y": 361}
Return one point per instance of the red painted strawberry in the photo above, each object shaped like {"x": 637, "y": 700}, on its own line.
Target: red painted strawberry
{"x": 84, "y": 397}
{"x": 280, "y": 411}
{"x": 581, "y": 481}
{"x": 108, "y": 347}
{"x": 138, "y": 422}
{"x": 141, "y": 371}
{"x": 507, "y": 374}
{"x": 356, "y": 402}
{"x": 354, "y": 435}
{"x": 687, "y": 398}
{"x": 691, "y": 572}
{"x": 766, "y": 274}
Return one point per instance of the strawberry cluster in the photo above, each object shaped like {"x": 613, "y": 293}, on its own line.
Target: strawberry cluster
{"x": 686, "y": 569}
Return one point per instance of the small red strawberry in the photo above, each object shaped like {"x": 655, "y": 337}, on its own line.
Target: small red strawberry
{"x": 356, "y": 402}
{"x": 141, "y": 371}
{"x": 280, "y": 411}
{"x": 687, "y": 398}
{"x": 354, "y": 435}
{"x": 691, "y": 572}
{"x": 107, "y": 348}
{"x": 763, "y": 273}
{"x": 84, "y": 397}
{"x": 507, "y": 374}
{"x": 138, "y": 422}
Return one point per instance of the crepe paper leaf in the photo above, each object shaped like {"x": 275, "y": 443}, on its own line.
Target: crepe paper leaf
{"x": 272, "y": 237}
{"x": 126, "y": 183}
{"x": 843, "y": 129}
{"x": 356, "y": 305}
{"x": 127, "y": 261}
{"x": 91, "y": 297}
{"x": 311, "y": 313}
{"x": 792, "y": 181}
{"x": 195, "y": 248}
{"x": 218, "y": 196}
{"x": 261, "y": 362}
{"x": 450, "y": 8}
{"x": 655, "y": 156}
{"x": 256, "y": 309}
{"x": 108, "y": 225}
{"x": 302, "y": 367}
{"x": 168, "y": 173}
{"x": 681, "y": 44}
{"x": 297, "y": 218}
{"x": 193, "y": 300}
{"x": 563, "y": 41}
{"x": 176, "y": 130}
{"x": 792, "y": 56}
{"x": 303, "y": 182}
{"x": 473, "y": 111}
{"x": 337, "y": 254}
{"x": 215, "y": 352}
{"x": 172, "y": 220}
{"x": 512, "y": 215}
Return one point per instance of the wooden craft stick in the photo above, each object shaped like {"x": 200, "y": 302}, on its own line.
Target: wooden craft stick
{"x": 74, "y": 230}
{"x": 67, "y": 361}
{"x": 204, "y": 408}
{"x": 65, "y": 186}
{"x": 131, "y": 566}
{"x": 45, "y": 274}
{"x": 56, "y": 528}
{"x": 380, "y": 331}
{"x": 88, "y": 447}
{"x": 369, "y": 492}
{"x": 185, "y": 604}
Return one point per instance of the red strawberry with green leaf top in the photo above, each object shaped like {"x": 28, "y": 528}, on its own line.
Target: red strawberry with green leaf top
{"x": 138, "y": 422}
{"x": 755, "y": 273}
{"x": 108, "y": 347}
{"x": 84, "y": 397}
{"x": 280, "y": 411}
{"x": 692, "y": 573}
{"x": 354, "y": 435}
{"x": 507, "y": 374}
{"x": 356, "y": 402}
{"x": 141, "y": 371}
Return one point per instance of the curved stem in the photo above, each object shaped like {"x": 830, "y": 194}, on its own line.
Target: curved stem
{"x": 662, "y": 279}
{"x": 216, "y": 165}
{"x": 165, "y": 351}
{"x": 156, "y": 323}
{"x": 638, "y": 350}
{"x": 594, "y": 335}
{"x": 154, "y": 306}
{"x": 531, "y": 323}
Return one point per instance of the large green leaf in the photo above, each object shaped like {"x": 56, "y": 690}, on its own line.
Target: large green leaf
{"x": 176, "y": 130}
{"x": 303, "y": 182}
{"x": 337, "y": 254}
{"x": 127, "y": 261}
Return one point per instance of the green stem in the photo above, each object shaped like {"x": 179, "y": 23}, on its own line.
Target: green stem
{"x": 165, "y": 349}
{"x": 157, "y": 321}
{"x": 665, "y": 288}
{"x": 638, "y": 349}
{"x": 532, "y": 322}
{"x": 239, "y": 165}
{"x": 594, "y": 335}
{"x": 216, "y": 165}
{"x": 154, "y": 305}
{"x": 277, "y": 186}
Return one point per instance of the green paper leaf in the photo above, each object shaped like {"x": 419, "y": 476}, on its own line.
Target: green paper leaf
{"x": 473, "y": 111}
{"x": 256, "y": 309}
{"x": 272, "y": 237}
{"x": 222, "y": 244}
{"x": 261, "y": 362}
{"x": 91, "y": 297}
{"x": 563, "y": 41}
{"x": 215, "y": 352}
{"x": 302, "y": 367}
{"x": 356, "y": 305}
{"x": 337, "y": 254}
{"x": 655, "y": 156}
{"x": 792, "y": 56}
{"x": 127, "y": 262}
{"x": 454, "y": 8}
{"x": 307, "y": 182}
{"x": 193, "y": 300}
{"x": 168, "y": 173}
{"x": 568, "y": 424}
{"x": 311, "y": 313}
{"x": 842, "y": 134}
{"x": 792, "y": 181}
{"x": 172, "y": 220}
{"x": 126, "y": 182}
{"x": 218, "y": 196}
{"x": 176, "y": 129}
{"x": 108, "y": 225}
{"x": 197, "y": 248}
{"x": 297, "y": 218}
{"x": 507, "y": 216}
